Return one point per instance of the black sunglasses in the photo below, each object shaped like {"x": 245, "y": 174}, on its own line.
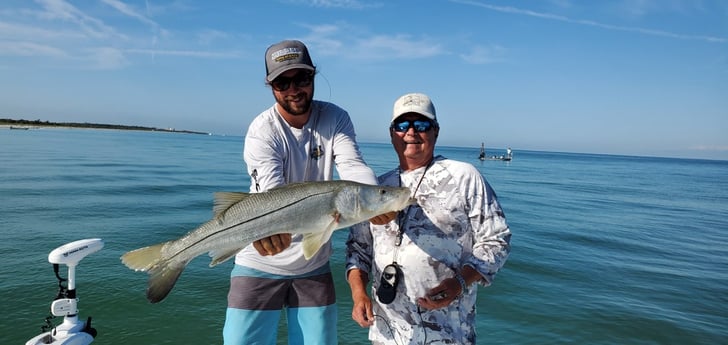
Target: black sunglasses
{"x": 302, "y": 79}
{"x": 403, "y": 126}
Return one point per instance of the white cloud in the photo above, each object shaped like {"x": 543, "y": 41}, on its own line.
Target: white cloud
{"x": 209, "y": 36}
{"x": 29, "y": 49}
{"x": 397, "y": 46}
{"x": 350, "y": 42}
{"x": 718, "y": 148}
{"x": 549, "y": 16}
{"x": 106, "y": 58}
{"x": 484, "y": 55}
{"x": 64, "y": 11}
{"x": 187, "y": 53}
{"x": 133, "y": 13}
{"x": 14, "y": 31}
{"x": 351, "y": 4}
{"x": 130, "y": 11}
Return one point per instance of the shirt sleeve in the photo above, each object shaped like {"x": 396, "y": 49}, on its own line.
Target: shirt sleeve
{"x": 359, "y": 248}
{"x": 349, "y": 161}
{"x": 263, "y": 158}
{"x": 491, "y": 234}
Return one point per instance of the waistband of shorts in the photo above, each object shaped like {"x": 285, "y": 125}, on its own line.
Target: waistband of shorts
{"x": 244, "y": 271}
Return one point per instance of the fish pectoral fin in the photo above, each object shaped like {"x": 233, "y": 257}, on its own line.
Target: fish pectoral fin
{"x": 225, "y": 200}
{"x": 220, "y": 257}
{"x": 312, "y": 242}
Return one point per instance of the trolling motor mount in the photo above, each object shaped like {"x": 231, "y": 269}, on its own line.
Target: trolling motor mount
{"x": 71, "y": 331}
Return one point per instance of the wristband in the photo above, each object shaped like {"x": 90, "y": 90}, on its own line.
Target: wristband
{"x": 461, "y": 280}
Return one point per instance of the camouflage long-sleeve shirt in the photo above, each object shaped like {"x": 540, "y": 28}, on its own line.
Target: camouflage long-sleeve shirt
{"x": 457, "y": 221}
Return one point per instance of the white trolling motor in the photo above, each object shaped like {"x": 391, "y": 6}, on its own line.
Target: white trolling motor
{"x": 71, "y": 331}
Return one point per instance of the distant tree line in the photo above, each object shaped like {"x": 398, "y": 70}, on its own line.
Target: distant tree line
{"x": 39, "y": 123}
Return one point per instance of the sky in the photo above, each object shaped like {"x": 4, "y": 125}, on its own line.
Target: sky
{"x": 627, "y": 77}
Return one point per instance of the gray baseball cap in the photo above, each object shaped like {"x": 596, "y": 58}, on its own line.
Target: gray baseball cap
{"x": 284, "y": 56}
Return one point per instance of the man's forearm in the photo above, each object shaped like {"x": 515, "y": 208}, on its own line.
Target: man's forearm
{"x": 358, "y": 281}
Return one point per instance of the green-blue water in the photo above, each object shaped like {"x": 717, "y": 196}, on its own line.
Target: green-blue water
{"x": 606, "y": 249}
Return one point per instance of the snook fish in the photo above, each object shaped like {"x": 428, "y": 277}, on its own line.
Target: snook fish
{"x": 314, "y": 209}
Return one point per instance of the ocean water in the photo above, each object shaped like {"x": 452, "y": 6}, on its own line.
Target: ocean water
{"x": 605, "y": 250}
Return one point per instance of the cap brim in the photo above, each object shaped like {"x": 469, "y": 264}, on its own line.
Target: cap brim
{"x": 425, "y": 114}
{"x": 273, "y": 75}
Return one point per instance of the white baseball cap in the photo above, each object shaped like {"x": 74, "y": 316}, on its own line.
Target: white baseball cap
{"x": 414, "y": 103}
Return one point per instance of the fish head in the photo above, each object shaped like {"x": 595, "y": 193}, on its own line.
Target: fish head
{"x": 366, "y": 201}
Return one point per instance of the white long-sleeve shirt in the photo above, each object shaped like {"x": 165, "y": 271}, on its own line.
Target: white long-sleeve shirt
{"x": 277, "y": 154}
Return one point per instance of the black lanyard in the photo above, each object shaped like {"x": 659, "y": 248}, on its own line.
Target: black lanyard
{"x": 403, "y": 215}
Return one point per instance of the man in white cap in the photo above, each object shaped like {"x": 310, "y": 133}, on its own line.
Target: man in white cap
{"x": 425, "y": 264}
{"x": 297, "y": 139}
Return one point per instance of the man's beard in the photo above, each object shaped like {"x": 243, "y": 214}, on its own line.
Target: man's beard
{"x": 295, "y": 109}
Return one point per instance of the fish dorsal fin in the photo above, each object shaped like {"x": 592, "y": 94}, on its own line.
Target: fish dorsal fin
{"x": 225, "y": 200}
{"x": 312, "y": 242}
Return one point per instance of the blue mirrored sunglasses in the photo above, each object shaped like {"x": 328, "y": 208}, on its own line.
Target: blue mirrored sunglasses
{"x": 419, "y": 125}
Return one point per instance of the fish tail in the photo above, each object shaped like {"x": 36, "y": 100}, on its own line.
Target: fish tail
{"x": 163, "y": 273}
{"x": 143, "y": 259}
{"x": 162, "y": 279}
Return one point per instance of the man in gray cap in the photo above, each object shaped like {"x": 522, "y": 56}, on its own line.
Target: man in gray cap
{"x": 425, "y": 264}
{"x": 297, "y": 139}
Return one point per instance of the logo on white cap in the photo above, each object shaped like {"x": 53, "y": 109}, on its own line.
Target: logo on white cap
{"x": 414, "y": 103}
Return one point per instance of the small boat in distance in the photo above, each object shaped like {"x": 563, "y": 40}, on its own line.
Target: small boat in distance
{"x": 21, "y": 128}
{"x": 507, "y": 157}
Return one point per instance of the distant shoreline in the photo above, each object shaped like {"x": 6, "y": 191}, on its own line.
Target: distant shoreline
{"x": 28, "y": 124}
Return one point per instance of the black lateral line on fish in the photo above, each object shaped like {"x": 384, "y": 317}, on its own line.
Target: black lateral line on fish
{"x": 222, "y": 230}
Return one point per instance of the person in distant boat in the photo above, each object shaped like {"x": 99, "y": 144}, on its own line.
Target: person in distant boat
{"x": 297, "y": 139}
{"x": 426, "y": 263}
